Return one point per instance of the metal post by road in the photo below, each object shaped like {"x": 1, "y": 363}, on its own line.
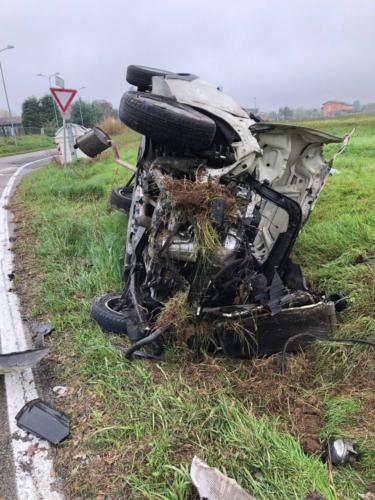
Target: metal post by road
{"x": 6, "y": 96}
{"x": 49, "y": 77}
{"x": 64, "y": 126}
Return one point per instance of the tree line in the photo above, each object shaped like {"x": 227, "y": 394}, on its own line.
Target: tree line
{"x": 43, "y": 113}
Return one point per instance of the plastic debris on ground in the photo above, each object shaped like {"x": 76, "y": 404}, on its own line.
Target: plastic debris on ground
{"x": 213, "y": 484}
{"x": 340, "y": 451}
{"x": 60, "y": 390}
{"x": 44, "y": 421}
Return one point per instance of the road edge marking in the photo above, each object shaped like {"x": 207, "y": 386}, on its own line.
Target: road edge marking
{"x": 33, "y": 472}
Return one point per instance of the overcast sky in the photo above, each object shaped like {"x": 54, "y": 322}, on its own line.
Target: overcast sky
{"x": 284, "y": 52}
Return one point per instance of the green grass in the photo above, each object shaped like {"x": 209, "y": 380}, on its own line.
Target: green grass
{"x": 25, "y": 144}
{"x": 340, "y": 415}
{"x": 138, "y": 423}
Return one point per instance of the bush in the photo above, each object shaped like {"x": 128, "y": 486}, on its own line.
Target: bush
{"x": 113, "y": 126}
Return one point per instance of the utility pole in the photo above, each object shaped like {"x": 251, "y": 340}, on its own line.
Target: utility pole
{"x": 79, "y": 102}
{"x": 6, "y": 95}
{"x": 49, "y": 78}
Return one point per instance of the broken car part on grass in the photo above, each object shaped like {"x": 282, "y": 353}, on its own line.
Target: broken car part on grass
{"x": 217, "y": 202}
{"x": 44, "y": 421}
{"x": 213, "y": 484}
{"x": 22, "y": 360}
{"x": 340, "y": 451}
{"x": 13, "y": 362}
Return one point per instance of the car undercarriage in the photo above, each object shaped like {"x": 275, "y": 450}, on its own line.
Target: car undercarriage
{"x": 216, "y": 204}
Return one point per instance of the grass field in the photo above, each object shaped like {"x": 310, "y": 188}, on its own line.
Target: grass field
{"x": 25, "y": 144}
{"x": 137, "y": 425}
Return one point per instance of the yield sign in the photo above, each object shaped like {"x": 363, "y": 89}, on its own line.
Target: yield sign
{"x": 63, "y": 97}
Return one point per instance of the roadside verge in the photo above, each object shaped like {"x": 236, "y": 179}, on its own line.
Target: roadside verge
{"x": 136, "y": 426}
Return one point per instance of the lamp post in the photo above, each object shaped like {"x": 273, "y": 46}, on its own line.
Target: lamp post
{"x": 6, "y": 95}
{"x": 49, "y": 78}
{"x": 80, "y": 107}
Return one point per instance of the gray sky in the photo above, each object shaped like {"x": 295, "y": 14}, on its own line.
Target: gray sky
{"x": 284, "y": 52}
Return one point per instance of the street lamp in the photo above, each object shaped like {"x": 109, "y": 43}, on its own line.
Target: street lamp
{"x": 6, "y": 95}
{"x": 80, "y": 107}
{"x": 49, "y": 78}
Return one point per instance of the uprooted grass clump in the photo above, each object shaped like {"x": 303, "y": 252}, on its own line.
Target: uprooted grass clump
{"x": 194, "y": 200}
{"x": 181, "y": 316}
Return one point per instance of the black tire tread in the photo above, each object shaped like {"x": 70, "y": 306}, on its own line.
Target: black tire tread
{"x": 121, "y": 198}
{"x": 141, "y": 76}
{"x": 166, "y": 121}
{"x": 108, "y": 321}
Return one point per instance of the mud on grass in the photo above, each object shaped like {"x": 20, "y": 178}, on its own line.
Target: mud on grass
{"x": 137, "y": 425}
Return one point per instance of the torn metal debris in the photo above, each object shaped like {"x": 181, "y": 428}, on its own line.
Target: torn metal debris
{"x": 218, "y": 200}
{"x": 212, "y": 484}
{"x": 340, "y": 451}
{"x": 44, "y": 421}
{"x": 19, "y": 361}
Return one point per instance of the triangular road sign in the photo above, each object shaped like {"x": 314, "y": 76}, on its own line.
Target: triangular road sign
{"x": 63, "y": 97}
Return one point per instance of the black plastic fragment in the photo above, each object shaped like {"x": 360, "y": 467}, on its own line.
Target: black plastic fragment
{"x": 276, "y": 291}
{"x": 44, "y": 421}
{"x": 294, "y": 278}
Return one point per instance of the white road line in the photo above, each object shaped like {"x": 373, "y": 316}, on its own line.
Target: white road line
{"x": 8, "y": 170}
{"x": 34, "y": 480}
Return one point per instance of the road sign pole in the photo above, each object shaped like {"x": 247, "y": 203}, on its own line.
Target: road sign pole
{"x": 64, "y": 126}
{"x": 63, "y": 98}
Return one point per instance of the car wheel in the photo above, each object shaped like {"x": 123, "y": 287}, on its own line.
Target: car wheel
{"x": 141, "y": 76}
{"x": 166, "y": 121}
{"x": 106, "y": 311}
{"x": 121, "y": 198}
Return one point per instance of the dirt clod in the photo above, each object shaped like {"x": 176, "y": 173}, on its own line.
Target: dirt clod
{"x": 313, "y": 495}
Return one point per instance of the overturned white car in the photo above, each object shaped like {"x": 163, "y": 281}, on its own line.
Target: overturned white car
{"x": 215, "y": 206}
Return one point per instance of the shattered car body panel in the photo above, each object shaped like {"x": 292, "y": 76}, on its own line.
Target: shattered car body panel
{"x": 293, "y": 164}
{"x": 213, "y": 228}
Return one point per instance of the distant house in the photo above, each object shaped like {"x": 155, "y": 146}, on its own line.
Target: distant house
{"x": 6, "y": 125}
{"x": 331, "y": 108}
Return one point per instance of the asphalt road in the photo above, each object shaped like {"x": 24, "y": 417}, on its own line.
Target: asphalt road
{"x": 8, "y": 166}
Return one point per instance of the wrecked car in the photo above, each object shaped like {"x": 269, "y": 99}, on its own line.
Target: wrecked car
{"x": 215, "y": 205}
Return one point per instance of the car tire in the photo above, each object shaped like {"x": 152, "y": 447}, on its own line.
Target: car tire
{"x": 104, "y": 312}
{"x": 141, "y": 76}
{"x": 166, "y": 121}
{"x": 121, "y": 198}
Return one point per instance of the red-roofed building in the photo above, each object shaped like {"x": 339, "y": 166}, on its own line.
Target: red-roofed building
{"x": 331, "y": 108}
